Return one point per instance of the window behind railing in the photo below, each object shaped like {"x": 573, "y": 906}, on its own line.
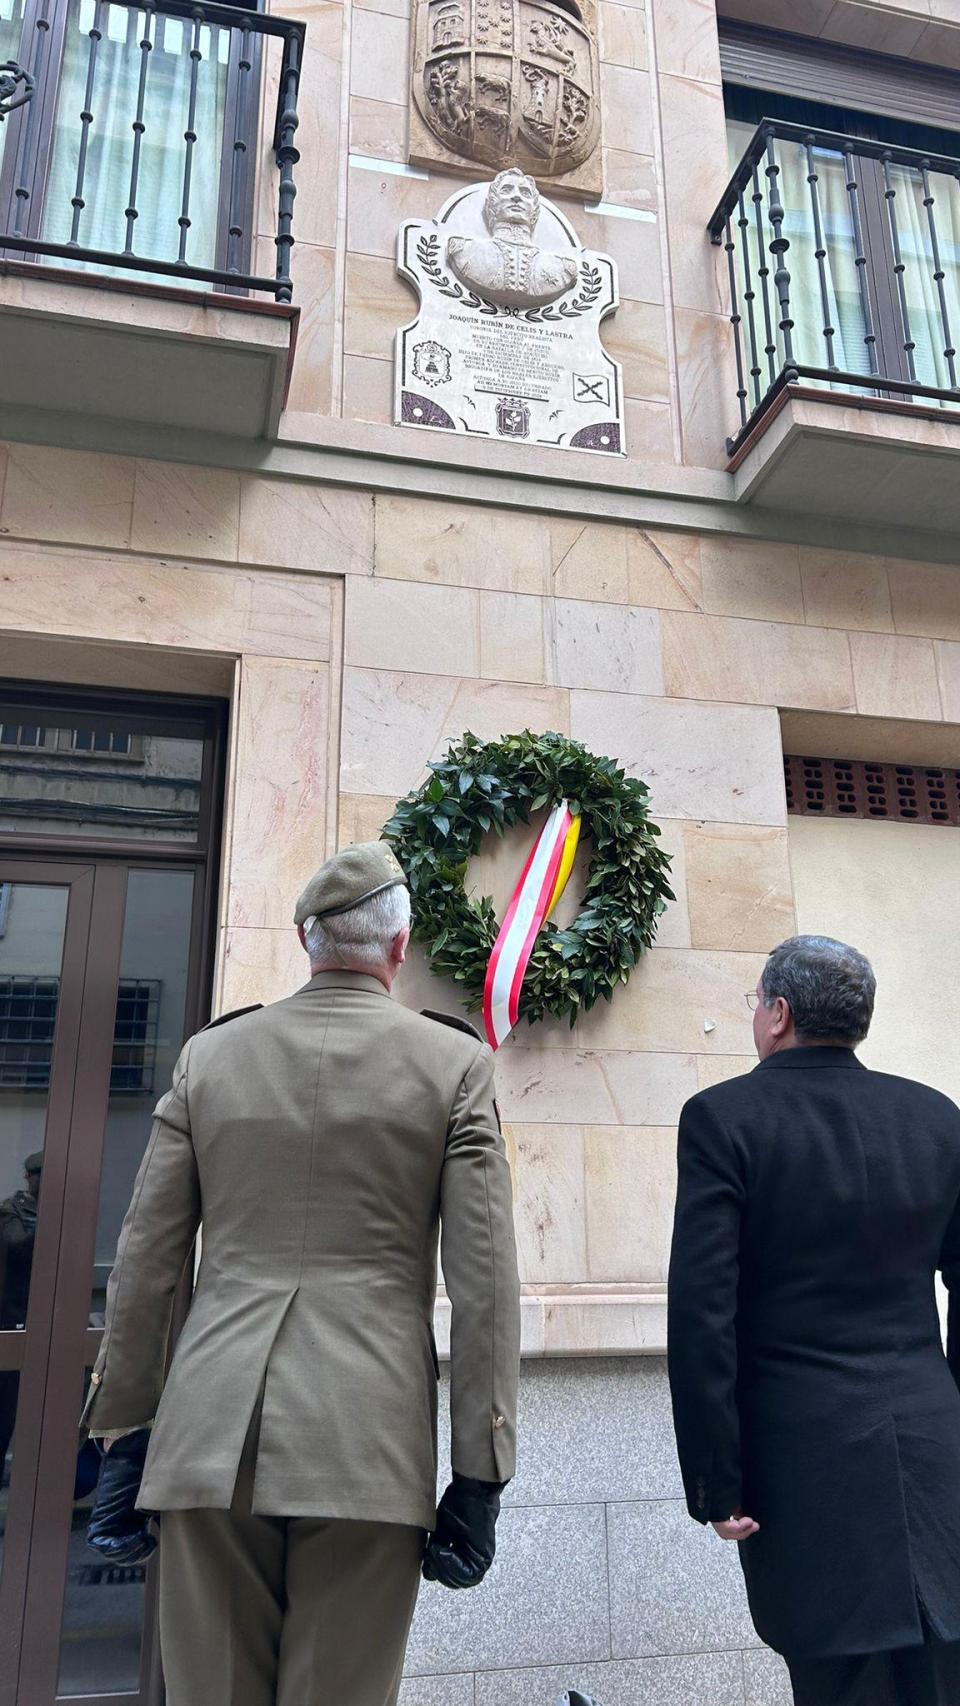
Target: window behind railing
{"x": 12, "y": 16}
{"x": 844, "y": 303}
{"x": 851, "y": 321}
{"x": 130, "y": 137}
{"x": 101, "y": 221}
{"x": 843, "y": 234}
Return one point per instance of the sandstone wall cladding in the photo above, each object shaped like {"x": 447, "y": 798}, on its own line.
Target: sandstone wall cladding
{"x": 366, "y": 631}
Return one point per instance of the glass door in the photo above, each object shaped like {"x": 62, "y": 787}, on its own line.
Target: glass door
{"x": 102, "y": 1650}
{"x": 45, "y": 916}
{"x": 104, "y": 962}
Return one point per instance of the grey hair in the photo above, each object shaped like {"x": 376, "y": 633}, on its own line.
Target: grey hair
{"x": 829, "y": 986}
{"x": 361, "y": 936}
{"x": 490, "y": 197}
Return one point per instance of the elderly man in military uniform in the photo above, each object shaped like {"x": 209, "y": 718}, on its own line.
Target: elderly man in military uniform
{"x": 293, "y": 1453}
{"x": 508, "y": 267}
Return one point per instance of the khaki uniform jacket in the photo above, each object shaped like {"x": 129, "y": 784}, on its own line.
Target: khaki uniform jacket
{"x": 320, "y": 1141}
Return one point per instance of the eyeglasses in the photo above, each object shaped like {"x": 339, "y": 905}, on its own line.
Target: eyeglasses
{"x": 752, "y": 999}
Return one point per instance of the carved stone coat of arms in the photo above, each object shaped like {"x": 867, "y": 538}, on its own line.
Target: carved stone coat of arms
{"x": 507, "y": 81}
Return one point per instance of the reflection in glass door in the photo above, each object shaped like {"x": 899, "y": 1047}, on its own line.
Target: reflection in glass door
{"x": 104, "y": 970}
{"x": 33, "y": 923}
{"x": 44, "y": 931}
{"x": 100, "y": 1649}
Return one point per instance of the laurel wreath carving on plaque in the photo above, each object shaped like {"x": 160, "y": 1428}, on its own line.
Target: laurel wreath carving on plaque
{"x": 591, "y": 284}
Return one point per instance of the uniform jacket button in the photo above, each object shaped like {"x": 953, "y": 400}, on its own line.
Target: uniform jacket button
{"x": 499, "y": 1421}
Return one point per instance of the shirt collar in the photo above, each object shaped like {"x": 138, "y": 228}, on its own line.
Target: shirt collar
{"x": 346, "y": 980}
{"x": 807, "y": 1059}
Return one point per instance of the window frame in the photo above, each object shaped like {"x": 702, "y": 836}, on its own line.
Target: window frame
{"x": 153, "y": 713}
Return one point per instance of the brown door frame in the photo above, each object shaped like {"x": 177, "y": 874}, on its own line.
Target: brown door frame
{"x": 29, "y": 1351}
{"x": 70, "y": 1344}
{"x": 46, "y": 1585}
{"x": 73, "y": 1342}
{"x": 866, "y": 89}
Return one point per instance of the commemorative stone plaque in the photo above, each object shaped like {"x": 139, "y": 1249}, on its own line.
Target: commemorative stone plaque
{"x": 507, "y": 340}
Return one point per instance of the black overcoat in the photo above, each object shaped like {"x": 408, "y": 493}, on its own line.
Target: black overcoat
{"x": 816, "y": 1200}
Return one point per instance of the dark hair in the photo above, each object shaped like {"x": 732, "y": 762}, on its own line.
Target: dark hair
{"x": 829, "y": 987}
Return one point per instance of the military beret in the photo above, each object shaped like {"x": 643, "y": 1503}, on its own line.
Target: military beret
{"x": 355, "y": 875}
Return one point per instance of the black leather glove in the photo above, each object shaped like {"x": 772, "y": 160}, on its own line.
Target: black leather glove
{"x": 117, "y": 1530}
{"x": 462, "y": 1548}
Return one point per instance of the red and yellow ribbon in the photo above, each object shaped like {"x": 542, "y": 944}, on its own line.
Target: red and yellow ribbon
{"x": 542, "y": 881}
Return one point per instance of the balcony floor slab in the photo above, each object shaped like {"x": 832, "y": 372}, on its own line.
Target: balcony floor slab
{"x": 110, "y": 349}
{"x": 856, "y": 461}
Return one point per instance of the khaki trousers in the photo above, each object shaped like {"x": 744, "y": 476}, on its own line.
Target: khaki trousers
{"x": 283, "y": 1611}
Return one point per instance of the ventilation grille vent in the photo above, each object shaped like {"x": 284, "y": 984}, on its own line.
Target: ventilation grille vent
{"x": 905, "y": 793}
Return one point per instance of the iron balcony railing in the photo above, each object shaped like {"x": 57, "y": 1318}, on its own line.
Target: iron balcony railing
{"x": 843, "y": 269}
{"x": 112, "y": 108}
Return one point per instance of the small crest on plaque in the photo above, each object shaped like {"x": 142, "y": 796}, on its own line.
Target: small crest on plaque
{"x": 591, "y": 388}
{"x": 500, "y": 81}
{"x": 431, "y": 363}
{"x": 513, "y": 418}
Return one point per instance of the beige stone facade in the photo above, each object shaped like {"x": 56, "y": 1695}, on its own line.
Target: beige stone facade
{"x": 362, "y": 594}
{"x": 417, "y": 619}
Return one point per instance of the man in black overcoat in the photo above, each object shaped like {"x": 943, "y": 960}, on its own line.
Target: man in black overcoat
{"x": 817, "y": 1418}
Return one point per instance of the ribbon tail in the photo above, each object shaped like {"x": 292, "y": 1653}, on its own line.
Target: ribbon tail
{"x": 529, "y": 905}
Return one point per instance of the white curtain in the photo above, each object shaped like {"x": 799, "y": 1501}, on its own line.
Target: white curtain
{"x": 927, "y": 329}
{"x": 106, "y": 188}
{"x": 844, "y": 306}
{"x": 844, "y": 310}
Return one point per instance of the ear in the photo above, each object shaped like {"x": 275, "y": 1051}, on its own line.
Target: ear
{"x": 783, "y": 1017}
{"x": 301, "y": 938}
{"x": 398, "y": 947}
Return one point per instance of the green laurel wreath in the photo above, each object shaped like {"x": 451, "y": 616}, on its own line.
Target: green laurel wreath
{"x": 481, "y": 786}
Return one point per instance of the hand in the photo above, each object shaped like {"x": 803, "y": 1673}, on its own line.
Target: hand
{"x": 462, "y": 1548}
{"x": 737, "y": 1527}
{"x": 117, "y": 1530}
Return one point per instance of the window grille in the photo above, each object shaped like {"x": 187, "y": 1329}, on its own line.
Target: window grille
{"x": 28, "y": 1015}
{"x": 100, "y": 740}
{"x": 24, "y": 735}
{"x": 47, "y": 741}
{"x": 135, "y": 1034}
{"x": 900, "y": 793}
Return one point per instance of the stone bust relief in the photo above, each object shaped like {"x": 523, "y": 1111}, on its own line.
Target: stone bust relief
{"x": 508, "y": 267}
